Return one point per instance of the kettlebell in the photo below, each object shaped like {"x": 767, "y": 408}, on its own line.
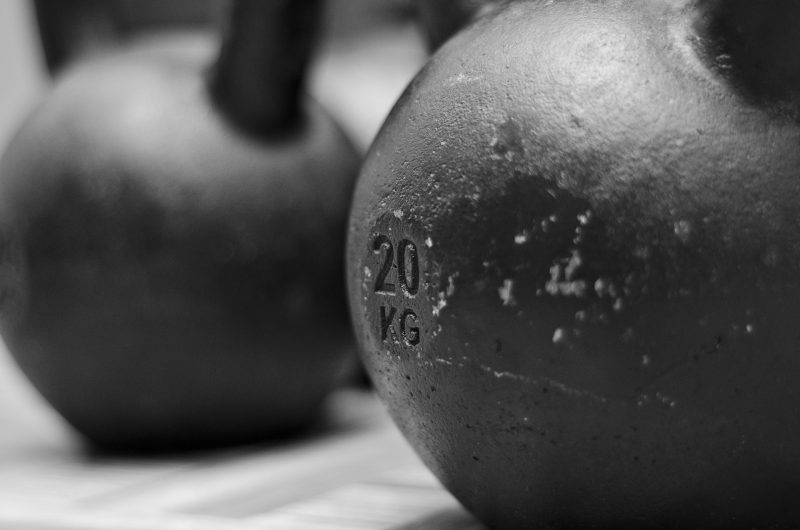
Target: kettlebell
{"x": 172, "y": 239}
{"x": 573, "y": 261}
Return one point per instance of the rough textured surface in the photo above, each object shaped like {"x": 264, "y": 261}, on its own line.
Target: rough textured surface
{"x": 168, "y": 281}
{"x": 601, "y": 200}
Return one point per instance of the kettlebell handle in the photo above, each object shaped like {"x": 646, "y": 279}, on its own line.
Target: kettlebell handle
{"x": 260, "y": 70}
{"x": 74, "y": 28}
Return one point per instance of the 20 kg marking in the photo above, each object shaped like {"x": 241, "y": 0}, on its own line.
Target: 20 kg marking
{"x": 407, "y": 266}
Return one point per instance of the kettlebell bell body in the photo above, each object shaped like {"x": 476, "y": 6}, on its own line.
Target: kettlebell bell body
{"x": 573, "y": 261}
{"x": 173, "y": 274}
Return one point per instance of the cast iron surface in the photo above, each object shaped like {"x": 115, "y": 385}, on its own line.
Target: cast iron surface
{"x": 573, "y": 262}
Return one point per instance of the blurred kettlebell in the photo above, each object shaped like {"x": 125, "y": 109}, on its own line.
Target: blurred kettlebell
{"x": 172, "y": 236}
{"x": 574, "y": 255}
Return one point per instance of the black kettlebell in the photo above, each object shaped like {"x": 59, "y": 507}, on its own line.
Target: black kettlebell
{"x": 172, "y": 233}
{"x": 574, "y": 264}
